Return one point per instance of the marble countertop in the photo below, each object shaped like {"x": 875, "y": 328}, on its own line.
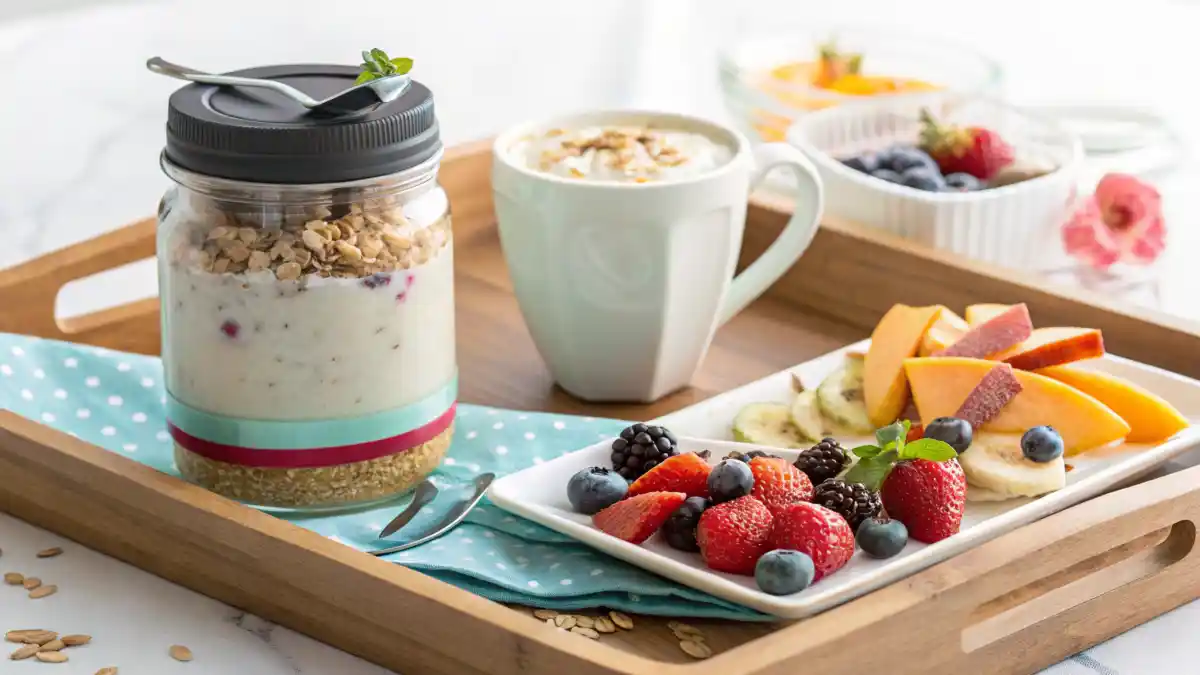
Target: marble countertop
{"x": 78, "y": 160}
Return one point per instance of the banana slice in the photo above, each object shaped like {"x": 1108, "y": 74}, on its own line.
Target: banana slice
{"x": 807, "y": 418}
{"x": 767, "y": 424}
{"x": 978, "y": 494}
{"x": 840, "y": 398}
{"x": 994, "y": 462}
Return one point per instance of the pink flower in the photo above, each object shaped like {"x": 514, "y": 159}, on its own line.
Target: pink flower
{"x": 1121, "y": 222}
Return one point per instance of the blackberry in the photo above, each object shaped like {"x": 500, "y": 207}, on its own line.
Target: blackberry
{"x": 853, "y": 501}
{"x": 640, "y": 448}
{"x": 747, "y": 456}
{"x": 823, "y": 461}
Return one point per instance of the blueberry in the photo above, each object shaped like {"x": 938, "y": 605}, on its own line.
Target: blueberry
{"x": 963, "y": 182}
{"x": 866, "y": 163}
{"x": 593, "y": 490}
{"x": 920, "y": 178}
{"x": 881, "y": 538}
{"x": 955, "y": 432}
{"x": 1042, "y": 444}
{"x": 902, "y": 158}
{"x": 680, "y": 528}
{"x": 888, "y": 175}
{"x": 783, "y": 572}
{"x": 729, "y": 480}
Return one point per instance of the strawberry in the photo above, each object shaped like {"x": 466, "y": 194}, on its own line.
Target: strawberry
{"x": 636, "y": 518}
{"x": 813, "y": 529}
{"x": 928, "y": 497}
{"x": 979, "y": 152}
{"x": 920, "y": 481}
{"x": 733, "y": 535}
{"x": 686, "y": 473}
{"x": 778, "y": 484}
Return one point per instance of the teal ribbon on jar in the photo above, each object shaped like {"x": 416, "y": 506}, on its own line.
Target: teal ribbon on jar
{"x": 311, "y": 443}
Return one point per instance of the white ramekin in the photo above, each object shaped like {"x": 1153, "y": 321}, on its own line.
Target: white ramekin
{"x": 1013, "y": 226}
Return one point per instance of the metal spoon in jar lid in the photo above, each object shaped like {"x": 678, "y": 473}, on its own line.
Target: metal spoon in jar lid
{"x": 379, "y": 90}
{"x": 482, "y": 482}
{"x": 426, "y": 492}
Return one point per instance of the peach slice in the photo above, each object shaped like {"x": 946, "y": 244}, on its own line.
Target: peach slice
{"x": 1053, "y": 347}
{"x": 945, "y": 331}
{"x": 1001, "y": 332}
{"x": 1152, "y": 418}
{"x": 990, "y": 396}
{"x": 940, "y": 385}
{"x": 977, "y": 314}
{"x": 896, "y": 337}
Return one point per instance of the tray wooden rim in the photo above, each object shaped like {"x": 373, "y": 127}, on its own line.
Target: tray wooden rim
{"x": 838, "y": 277}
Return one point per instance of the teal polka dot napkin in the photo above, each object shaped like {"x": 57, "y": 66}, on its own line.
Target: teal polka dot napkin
{"x": 115, "y": 400}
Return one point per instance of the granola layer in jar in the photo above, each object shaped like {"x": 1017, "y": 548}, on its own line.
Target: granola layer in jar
{"x": 308, "y": 325}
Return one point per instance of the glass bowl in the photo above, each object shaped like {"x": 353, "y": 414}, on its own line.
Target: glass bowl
{"x": 767, "y": 79}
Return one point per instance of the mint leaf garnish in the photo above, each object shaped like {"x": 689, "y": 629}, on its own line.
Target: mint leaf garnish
{"x": 871, "y": 471}
{"x": 867, "y": 451}
{"x": 376, "y": 63}
{"x": 894, "y": 433}
{"x": 928, "y": 448}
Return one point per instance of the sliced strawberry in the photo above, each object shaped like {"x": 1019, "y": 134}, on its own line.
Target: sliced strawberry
{"x": 636, "y": 518}
{"x": 973, "y": 150}
{"x": 777, "y": 483}
{"x": 686, "y": 473}
{"x": 928, "y": 497}
{"x": 733, "y": 535}
{"x": 813, "y": 529}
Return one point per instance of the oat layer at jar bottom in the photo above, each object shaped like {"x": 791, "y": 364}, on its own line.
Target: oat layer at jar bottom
{"x": 330, "y": 487}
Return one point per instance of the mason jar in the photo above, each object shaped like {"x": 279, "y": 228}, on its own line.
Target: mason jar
{"x": 306, "y": 275}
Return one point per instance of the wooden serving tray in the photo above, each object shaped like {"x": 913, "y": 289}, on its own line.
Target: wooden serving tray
{"x": 1014, "y": 605}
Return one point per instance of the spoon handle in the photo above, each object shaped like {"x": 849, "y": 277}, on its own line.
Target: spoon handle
{"x": 482, "y": 483}
{"x": 161, "y": 66}
{"x": 426, "y": 492}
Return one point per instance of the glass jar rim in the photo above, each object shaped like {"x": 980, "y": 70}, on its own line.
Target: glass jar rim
{"x": 237, "y": 190}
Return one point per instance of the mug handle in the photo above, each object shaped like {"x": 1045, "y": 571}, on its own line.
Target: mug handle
{"x": 808, "y": 197}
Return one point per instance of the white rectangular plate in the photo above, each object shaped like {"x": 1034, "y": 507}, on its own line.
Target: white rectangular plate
{"x": 539, "y": 492}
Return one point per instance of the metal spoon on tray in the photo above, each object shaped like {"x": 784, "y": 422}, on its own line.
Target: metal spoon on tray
{"x": 482, "y": 482}
{"x": 379, "y": 90}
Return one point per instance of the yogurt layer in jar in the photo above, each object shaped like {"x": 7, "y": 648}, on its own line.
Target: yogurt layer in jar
{"x": 308, "y": 323}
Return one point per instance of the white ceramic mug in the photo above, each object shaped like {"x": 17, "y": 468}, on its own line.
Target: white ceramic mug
{"x": 623, "y": 284}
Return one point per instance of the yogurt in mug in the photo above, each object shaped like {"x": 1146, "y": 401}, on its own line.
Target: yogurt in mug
{"x": 623, "y": 154}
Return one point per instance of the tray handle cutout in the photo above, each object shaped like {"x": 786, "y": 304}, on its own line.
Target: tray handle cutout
{"x": 1073, "y": 586}
{"x": 28, "y": 293}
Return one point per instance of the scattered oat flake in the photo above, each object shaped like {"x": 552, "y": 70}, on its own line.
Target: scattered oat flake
{"x": 53, "y": 646}
{"x": 76, "y": 640}
{"x": 33, "y": 637}
{"x": 14, "y": 578}
{"x": 586, "y": 632}
{"x": 50, "y": 552}
{"x": 585, "y": 621}
{"x": 605, "y": 625}
{"x": 51, "y": 657}
{"x": 696, "y": 650}
{"x": 564, "y": 621}
{"x": 621, "y": 620}
{"x": 180, "y": 653}
{"x": 684, "y": 631}
{"x": 545, "y": 613}
{"x": 43, "y": 591}
{"x": 24, "y": 652}
{"x": 110, "y": 670}
{"x": 31, "y": 583}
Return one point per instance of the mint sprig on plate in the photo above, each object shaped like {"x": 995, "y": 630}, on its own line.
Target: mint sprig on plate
{"x": 875, "y": 462}
{"x": 376, "y": 64}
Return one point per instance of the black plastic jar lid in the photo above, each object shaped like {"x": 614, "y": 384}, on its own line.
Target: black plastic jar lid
{"x": 258, "y": 135}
